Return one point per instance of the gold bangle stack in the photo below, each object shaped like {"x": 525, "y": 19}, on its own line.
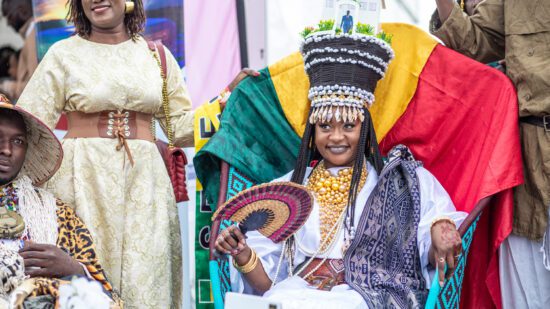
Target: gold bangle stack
{"x": 250, "y": 265}
{"x": 442, "y": 218}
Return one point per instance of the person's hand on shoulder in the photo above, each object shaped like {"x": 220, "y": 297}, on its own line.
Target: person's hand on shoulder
{"x": 240, "y": 76}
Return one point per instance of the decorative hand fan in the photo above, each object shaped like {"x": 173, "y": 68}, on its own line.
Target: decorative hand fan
{"x": 276, "y": 209}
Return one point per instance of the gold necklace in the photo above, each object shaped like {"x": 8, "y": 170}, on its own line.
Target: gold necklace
{"x": 332, "y": 194}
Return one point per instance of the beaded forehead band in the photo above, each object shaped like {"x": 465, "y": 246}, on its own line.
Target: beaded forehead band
{"x": 343, "y": 70}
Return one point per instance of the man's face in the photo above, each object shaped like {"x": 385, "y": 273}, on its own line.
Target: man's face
{"x": 13, "y": 147}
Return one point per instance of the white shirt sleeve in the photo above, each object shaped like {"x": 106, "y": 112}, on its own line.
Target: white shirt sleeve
{"x": 434, "y": 202}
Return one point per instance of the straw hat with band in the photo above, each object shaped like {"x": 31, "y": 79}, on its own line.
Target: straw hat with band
{"x": 44, "y": 152}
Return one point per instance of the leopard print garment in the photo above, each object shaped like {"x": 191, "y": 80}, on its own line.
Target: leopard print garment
{"x": 75, "y": 239}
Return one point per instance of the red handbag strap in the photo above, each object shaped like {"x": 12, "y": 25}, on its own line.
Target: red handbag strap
{"x": 157, "y": 46}
{"x": 174, "y": 158}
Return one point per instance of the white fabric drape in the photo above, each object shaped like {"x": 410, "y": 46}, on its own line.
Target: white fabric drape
{"x": 524, "y": 281}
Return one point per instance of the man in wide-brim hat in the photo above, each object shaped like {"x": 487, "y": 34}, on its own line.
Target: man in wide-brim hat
{"x": 40, "y": 237}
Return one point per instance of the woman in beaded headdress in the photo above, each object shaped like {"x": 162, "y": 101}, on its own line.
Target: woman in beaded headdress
{"x": 376, "y": 232}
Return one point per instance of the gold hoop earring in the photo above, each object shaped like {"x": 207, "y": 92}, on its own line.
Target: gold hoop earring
{"x": 129, "y": 7}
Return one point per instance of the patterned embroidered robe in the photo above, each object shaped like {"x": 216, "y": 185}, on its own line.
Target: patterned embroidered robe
{"x": 383, "y": 261}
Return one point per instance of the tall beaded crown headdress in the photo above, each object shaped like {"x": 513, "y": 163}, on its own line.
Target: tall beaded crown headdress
{"x": 343, "y": 70}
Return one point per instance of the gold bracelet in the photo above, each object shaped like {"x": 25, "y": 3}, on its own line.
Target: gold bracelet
{"x": 442, "y": 218}
{"x": 250, "y": 265}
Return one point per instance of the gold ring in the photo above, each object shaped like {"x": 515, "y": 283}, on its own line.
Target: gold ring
{"x": 442, "y": 260}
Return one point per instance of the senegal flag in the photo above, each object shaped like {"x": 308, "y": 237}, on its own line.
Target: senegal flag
{"x": 459, "y": 117}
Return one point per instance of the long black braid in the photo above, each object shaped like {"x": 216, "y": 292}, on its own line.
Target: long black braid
{"x": 305, "y": 154}
{"x": 367, "y": 148}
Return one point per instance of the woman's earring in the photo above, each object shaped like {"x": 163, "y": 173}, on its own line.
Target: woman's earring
{"x": 129, "y": 7}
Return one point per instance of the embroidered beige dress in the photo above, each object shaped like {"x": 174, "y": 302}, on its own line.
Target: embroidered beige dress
{"x": 130, "y": 211}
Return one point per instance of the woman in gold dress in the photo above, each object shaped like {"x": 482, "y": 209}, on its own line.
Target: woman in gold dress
{"x": 109, "y": 83}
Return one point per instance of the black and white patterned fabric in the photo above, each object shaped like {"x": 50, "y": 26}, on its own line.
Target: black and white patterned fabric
{"x": 383, "y": 261}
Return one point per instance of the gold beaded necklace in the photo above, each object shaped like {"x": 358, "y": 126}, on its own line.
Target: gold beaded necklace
{"x": 332, "y": 194}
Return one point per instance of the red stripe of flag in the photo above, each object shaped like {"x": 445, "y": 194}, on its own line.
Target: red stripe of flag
{"x": 463, "y": 124}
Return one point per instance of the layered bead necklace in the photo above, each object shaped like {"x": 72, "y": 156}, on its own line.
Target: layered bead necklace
{"x": 12, "y": 224}
{"x": 9, "y": 197}
{"x": 331, "y": 193}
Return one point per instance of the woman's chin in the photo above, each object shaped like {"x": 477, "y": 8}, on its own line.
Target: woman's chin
{"x": 105, "y": 22}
